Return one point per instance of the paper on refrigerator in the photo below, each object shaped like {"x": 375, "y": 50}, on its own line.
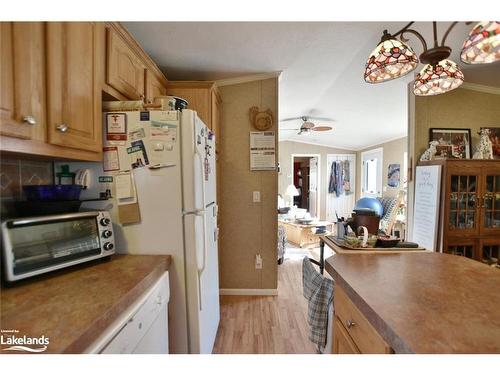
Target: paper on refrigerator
{"x": 125, "y": 188}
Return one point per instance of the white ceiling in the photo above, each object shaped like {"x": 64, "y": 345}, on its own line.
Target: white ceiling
{"x": 322, "y": 67}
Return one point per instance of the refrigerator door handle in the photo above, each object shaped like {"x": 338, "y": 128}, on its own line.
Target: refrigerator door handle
{"x": 200, "y": 159}
{"x": 194, "y": 212}
{"x": 201, "y": 212}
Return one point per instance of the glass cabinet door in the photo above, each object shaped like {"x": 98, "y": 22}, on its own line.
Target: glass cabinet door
{"x": 463, "y": 202}
{"x": 462, "y": 247}
{"x": 490, "y": 253}
{"x": 490, "y": 206}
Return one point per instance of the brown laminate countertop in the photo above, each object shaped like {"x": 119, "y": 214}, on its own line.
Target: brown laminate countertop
{"x": 424, "y": 303}
{"x": 72, "y": 307}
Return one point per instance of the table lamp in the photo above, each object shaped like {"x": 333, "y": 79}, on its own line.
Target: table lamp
{"x": 291, "y": 191}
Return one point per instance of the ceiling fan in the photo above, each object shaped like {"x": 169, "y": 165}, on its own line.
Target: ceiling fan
{"x": 308, "y": 126}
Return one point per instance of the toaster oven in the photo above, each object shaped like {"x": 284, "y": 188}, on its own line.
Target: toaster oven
{"x": 36, "y": 245}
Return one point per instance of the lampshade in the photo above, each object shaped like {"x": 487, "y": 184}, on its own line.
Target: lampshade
{"x": 291, "y": 191}
{"x": 435, "y": 79}
{"x": 391, "y": 59}
{"x": 483, "y": 44}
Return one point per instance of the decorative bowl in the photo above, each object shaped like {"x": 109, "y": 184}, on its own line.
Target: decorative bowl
{"x": 52, "y": 192}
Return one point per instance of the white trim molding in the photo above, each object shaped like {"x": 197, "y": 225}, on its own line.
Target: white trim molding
{"x": 318, "y": 144}
{"x": 248, "y": 292}
{"x": 481, "y": 88}
{"x": 249, "y": 78}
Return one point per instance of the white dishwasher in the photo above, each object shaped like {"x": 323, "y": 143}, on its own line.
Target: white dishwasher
{"x": 142, "y": 328}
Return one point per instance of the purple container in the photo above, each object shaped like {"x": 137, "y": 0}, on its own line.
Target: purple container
{"x": 52, "y": 192}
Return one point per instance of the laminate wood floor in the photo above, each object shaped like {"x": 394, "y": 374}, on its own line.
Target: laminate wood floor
{"x": 267, "y": 324}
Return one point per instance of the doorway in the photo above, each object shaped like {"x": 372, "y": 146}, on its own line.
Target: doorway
{"x": 305, "y": 169}
{"x": 371, "y": 172}
{"x": 341, "y": 204}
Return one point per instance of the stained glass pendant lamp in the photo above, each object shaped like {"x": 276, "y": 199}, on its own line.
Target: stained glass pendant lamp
{"x": 393, "y": 58}
{"x": 438, "y": 78}
{"x": 389, "y": 60}
{"x": 483, "y": 44}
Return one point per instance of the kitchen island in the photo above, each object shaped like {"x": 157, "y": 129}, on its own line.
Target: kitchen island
{"x": 73, "y": 306}
{"x": 414, "y": 303}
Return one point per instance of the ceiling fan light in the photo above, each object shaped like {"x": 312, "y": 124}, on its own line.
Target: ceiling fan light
{"x": 389, "y": 60}
{"x": 482, "y": 46}
{"x": 435, "y": 79}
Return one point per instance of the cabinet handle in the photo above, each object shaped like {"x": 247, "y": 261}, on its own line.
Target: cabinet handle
{"x": 63, "y": 128}
{"x": 30, "y": 120}
{"x": 350, "y": 323}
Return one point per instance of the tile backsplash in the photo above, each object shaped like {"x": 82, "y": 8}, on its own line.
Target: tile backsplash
{"x": 14, "y": 173}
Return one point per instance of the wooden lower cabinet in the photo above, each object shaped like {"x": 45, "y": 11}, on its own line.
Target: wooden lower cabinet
{"x": 352, "y": 332}
{"x": 303, "y": 235}
{"x": 342, "y": 342}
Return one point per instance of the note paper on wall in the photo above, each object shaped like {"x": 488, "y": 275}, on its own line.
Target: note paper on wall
{"x": 426, "y": 209}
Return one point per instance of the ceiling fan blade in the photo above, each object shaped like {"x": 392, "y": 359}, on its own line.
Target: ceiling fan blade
{"x": 321, "y": 128}
{"x": 290, "y": 119}
{"x": 320, "y": 118}
{"x": 288, "y": 129}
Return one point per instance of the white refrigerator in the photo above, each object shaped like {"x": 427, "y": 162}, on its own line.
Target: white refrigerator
{"x": 178, "y": 210}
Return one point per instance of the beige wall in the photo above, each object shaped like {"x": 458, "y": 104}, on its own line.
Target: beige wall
{"x": 460, "y": 108}
{"x": 246, "y": 228}
{"x": 393, "y": 154}
{"x": 285, "y": 177}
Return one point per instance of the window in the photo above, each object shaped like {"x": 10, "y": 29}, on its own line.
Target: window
{"x": 371, "y": 173}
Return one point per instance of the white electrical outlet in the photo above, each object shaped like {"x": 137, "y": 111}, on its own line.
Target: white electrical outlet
{"x": 256, "y": 196}
{"x": 258, "y": 262}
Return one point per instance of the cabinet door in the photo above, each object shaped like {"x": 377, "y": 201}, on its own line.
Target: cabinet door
{"x": 198, "y": 100}
{"x": 466, "y": 247}
{"x": 342, "y": 342}
{"x": 490, "y": 201}
{"x": 462, "y": 212}
{"x": 216, "y": 115}
{"x": 124, "y": 70}
{"x": 154, "y": 87}
{"x": 22, "y": 80}
{"x": 74, "y": 84}
{"x": 490, "y": 251}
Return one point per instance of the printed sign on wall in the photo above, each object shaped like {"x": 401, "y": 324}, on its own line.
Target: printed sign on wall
{"x": 262, "y": 151}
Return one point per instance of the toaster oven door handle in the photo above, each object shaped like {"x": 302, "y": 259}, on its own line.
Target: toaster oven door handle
{"x": 41, "y": 219}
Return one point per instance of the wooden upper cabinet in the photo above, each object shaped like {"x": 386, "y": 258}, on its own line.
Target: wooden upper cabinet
{"x": 124, "y": 70}
{"x": 216, "y": 114}
{"x": 74, "y": 84}
{"x": 202, "y": 97}
{"x": 22, "y": 80}
{"x": 154, "y": 87}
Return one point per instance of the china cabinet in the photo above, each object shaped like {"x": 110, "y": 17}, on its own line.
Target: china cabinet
{"x": 469, "y": 223}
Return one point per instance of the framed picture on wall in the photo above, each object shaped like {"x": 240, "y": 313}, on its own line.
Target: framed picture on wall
{"x": 393, "y": 175}
{"x": 495, "y": 141}
{"x": 452, "y": 143}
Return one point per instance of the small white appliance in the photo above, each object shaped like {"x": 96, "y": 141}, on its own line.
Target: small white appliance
{"x": 178, "y": 210}
{"x": 35, "y": 245}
